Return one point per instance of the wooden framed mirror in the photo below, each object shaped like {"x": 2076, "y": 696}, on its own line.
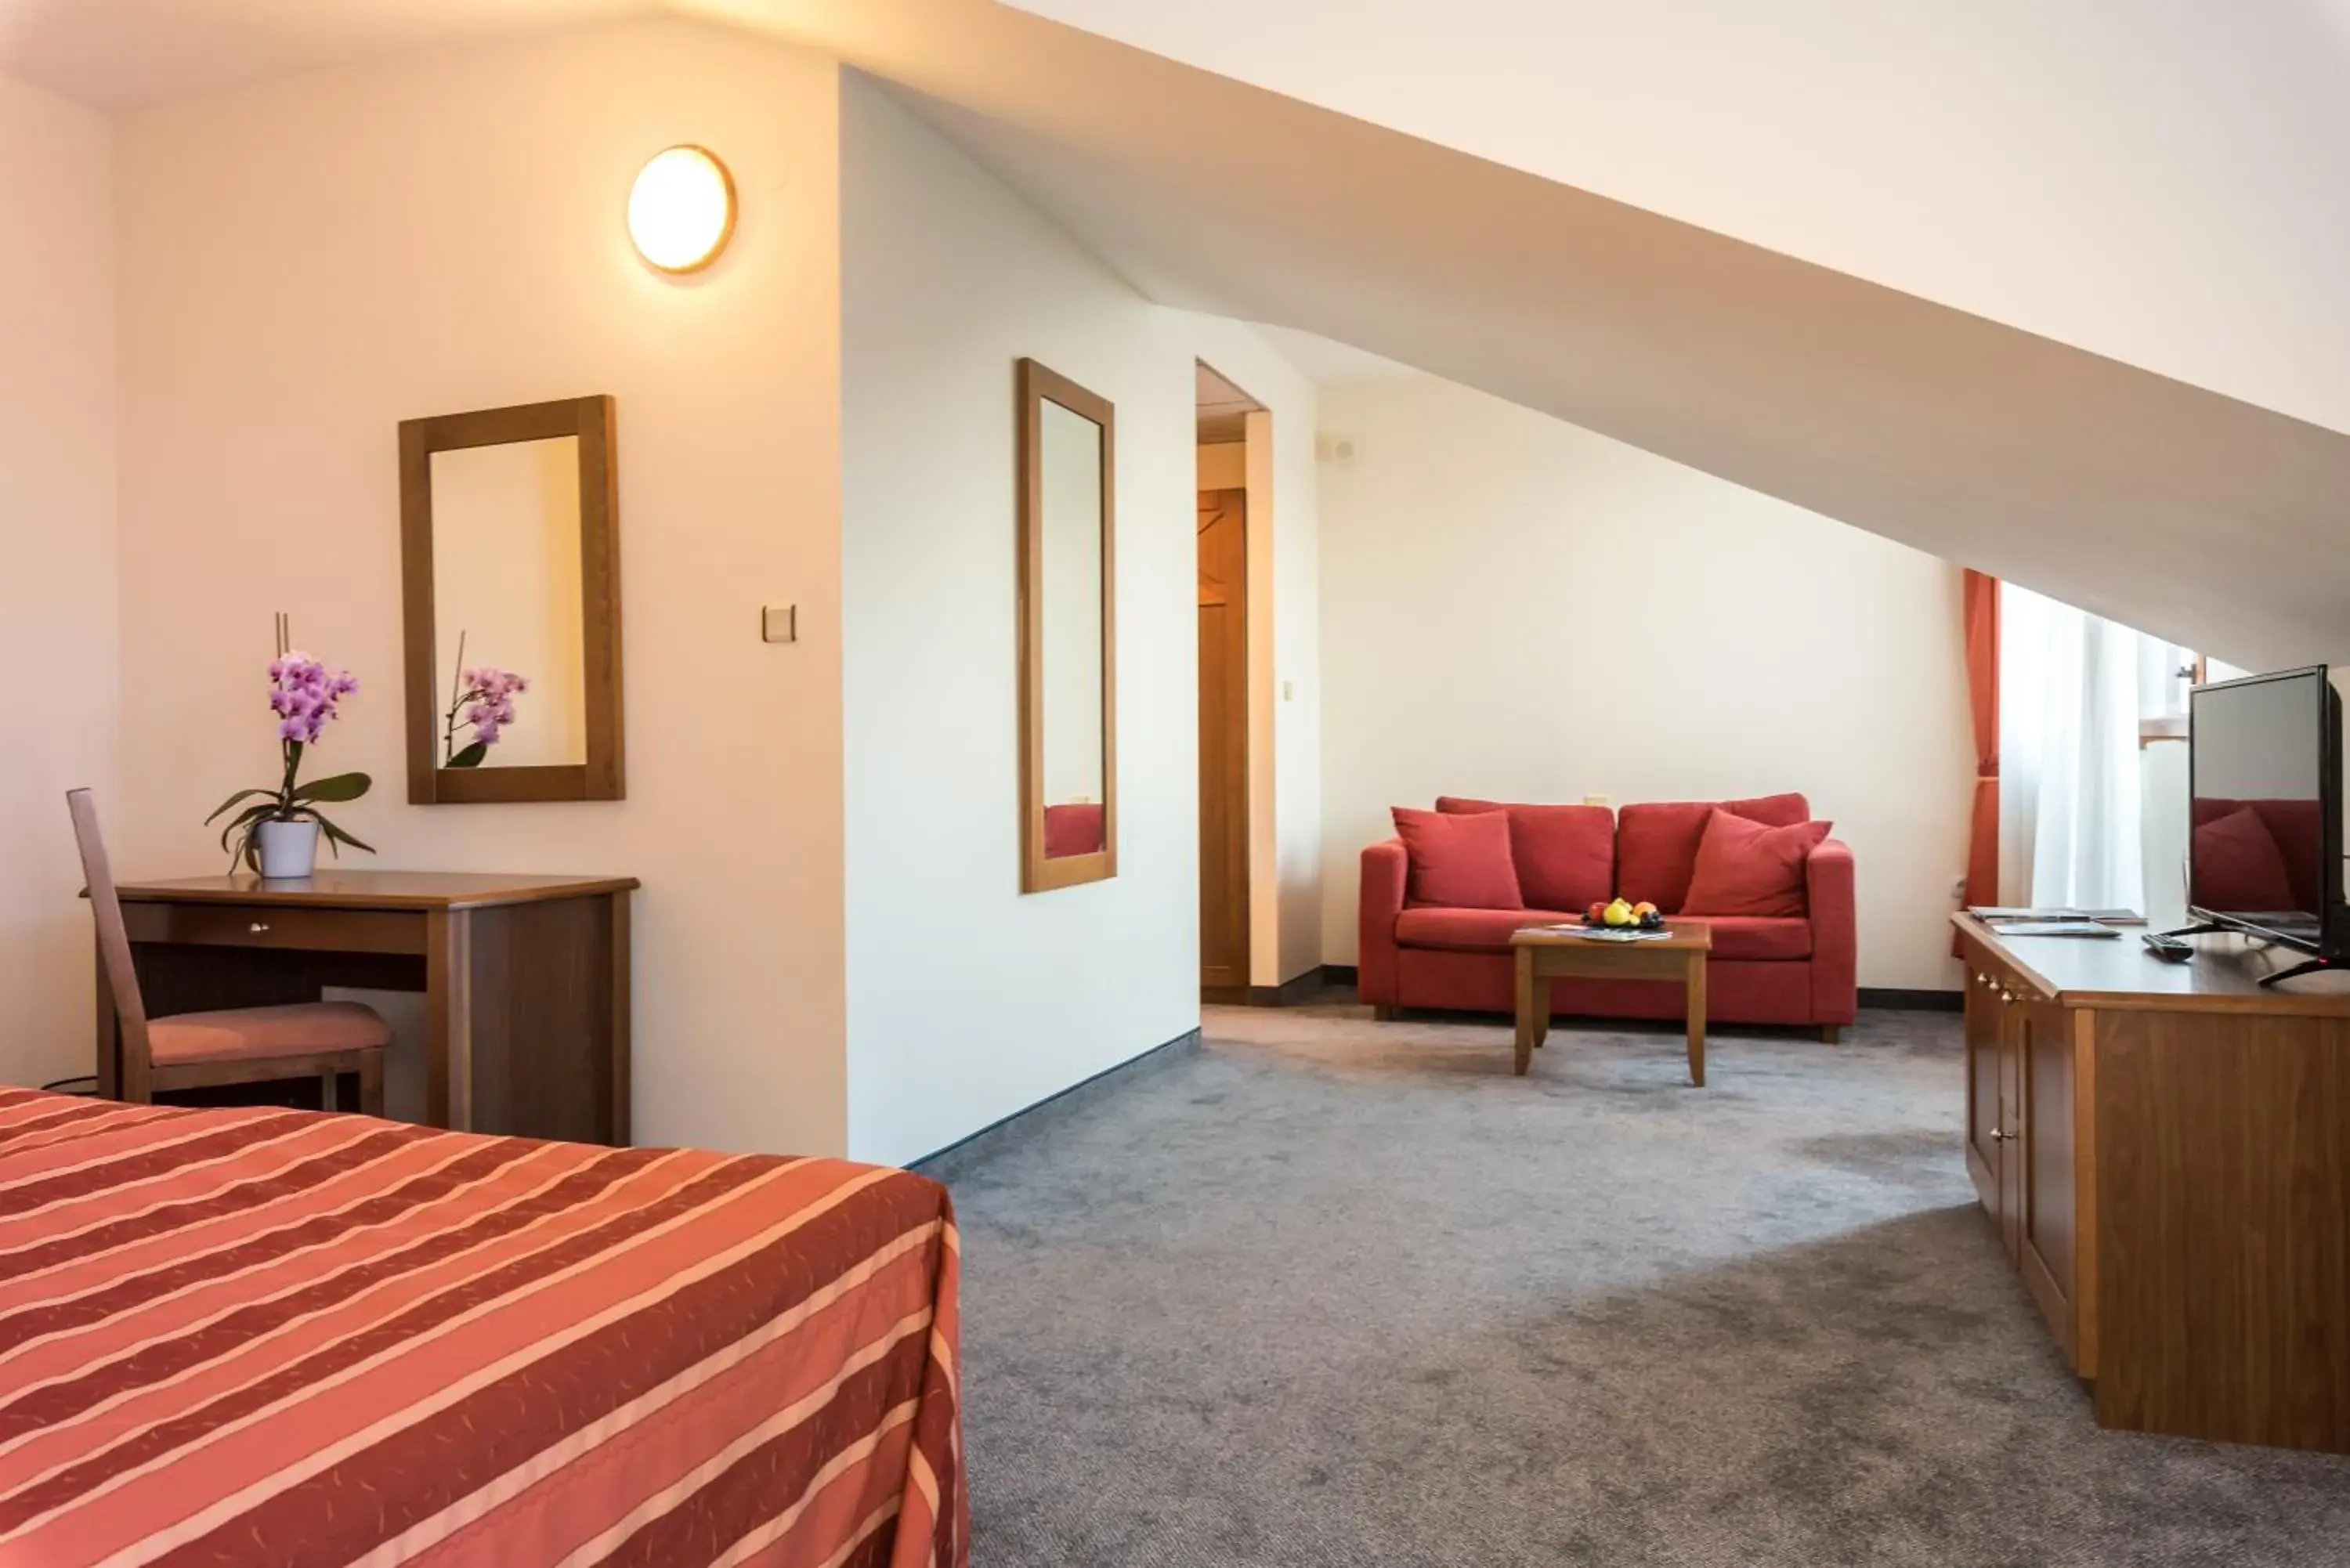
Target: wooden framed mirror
{"x": 1068, "y": 687}
{"x": 510, "y": 567}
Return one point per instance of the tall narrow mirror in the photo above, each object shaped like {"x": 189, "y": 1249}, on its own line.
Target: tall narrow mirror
{"x": 510, "y": 555}
{"x": 1068, "y": 695}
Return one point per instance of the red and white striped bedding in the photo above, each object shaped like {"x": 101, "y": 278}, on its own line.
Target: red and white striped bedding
{"x": 273, "y": 1337}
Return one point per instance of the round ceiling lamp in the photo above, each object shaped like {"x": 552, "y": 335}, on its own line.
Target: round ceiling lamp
{"x": 681, "y": 209}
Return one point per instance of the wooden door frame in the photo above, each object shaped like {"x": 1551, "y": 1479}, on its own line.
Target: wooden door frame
{"x": 1239, "y": 780}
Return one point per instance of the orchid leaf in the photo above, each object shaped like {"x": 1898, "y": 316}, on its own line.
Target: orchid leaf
{"x": 471, "y": 757}
{"x": 336, "y": 836}
{"x": 241, "y": 794}
{"x": 243, "y": 822}
{"x": 338, "y": 787}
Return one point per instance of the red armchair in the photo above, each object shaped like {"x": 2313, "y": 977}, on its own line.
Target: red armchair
{"x": 1799, "y": 970}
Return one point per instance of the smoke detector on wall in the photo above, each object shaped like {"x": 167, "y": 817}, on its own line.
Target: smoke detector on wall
{"x": 1337, "y": 449}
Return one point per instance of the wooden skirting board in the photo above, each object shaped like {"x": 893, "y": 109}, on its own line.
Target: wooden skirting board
{"x": 1296, "y": 991}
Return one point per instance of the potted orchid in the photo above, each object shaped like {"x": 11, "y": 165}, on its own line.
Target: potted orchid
{"x": 277, "y": 832}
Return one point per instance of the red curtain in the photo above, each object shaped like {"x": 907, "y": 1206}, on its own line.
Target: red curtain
{"x": 1982, "y": 685}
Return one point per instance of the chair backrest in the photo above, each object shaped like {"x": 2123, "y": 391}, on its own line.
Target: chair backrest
{"x": 113, "y": 946}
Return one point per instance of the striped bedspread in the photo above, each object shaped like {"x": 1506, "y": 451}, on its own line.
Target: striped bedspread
{"x": 274, "y": 1338}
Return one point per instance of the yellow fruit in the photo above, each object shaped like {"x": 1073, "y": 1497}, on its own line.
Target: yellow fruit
{"x": 1619, "y": 913}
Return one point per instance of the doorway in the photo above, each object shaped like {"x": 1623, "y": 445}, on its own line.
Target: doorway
{"x": 1225, "y": 427}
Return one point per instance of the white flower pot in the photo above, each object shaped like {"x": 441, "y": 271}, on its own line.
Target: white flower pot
{"x": 289, "y": 849}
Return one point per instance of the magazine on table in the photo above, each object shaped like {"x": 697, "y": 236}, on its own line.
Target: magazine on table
{"x": 1999, "y": 915}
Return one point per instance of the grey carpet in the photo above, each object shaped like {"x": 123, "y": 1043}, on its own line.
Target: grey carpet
{"x": 1322, "y": 1292}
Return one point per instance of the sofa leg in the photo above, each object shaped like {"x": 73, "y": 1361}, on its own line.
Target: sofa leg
{"x": 1383, "y": 1014}
{"x": 1830, "y": 1032}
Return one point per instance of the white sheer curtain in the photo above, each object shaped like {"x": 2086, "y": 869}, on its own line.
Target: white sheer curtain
{"x": 2073, "y": 688}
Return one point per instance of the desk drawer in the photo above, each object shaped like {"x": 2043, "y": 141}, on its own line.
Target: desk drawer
{"x": 276, "y": 925}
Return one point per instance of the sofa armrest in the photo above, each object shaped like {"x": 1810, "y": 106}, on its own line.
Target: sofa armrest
{"x": 1384, "y": 870}
{"x": 1835, "y": 933}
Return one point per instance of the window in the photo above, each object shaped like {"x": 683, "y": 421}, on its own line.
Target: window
{"x": 2076, "y": 692}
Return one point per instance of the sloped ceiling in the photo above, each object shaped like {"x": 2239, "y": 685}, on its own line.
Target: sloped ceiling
{"x": 2198, "y": 516}
{"x": 2202, "y": 518}
{"x": 2163, "y": 181}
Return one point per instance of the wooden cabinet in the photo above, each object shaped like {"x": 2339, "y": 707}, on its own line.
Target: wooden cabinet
{"x": 2165, "y": 1153}
{"x": 2021, "y": 1110}
{"x": 1986, "y": 1107}
{"x": 2042, "y": 1141}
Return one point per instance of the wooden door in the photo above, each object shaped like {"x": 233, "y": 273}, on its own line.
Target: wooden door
{"x": 1984, "y": 1011}
{"x": 2047, "y": 1238}
{"x": 1224, "y": 740}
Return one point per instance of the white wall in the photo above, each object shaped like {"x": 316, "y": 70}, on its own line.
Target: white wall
{"x": 967, "y": 1000}
{"x": 306, "y": 263}
{"x": 59, "y": 683}
{"x": 1516, "y": 609}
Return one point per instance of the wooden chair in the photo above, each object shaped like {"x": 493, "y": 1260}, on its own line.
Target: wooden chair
{"x": 238, "y": 1045}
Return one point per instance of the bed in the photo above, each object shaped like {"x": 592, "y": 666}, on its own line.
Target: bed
{"x": 261, "y": 1337}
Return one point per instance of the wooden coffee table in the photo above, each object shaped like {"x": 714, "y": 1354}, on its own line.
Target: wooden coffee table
{"x": 1543, "y": 956}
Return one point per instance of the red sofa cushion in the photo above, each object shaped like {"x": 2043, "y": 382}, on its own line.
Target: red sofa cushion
{"x": 1469, "y": 931}
{"x": 1656, "y": 843}
{"x": 1459, "y": 862}
{"x": 1745, "y": 869}
{"x": 1760, "y": 937}
{"x": 1565, "y": 855}
{"x": 2238, "y": 866}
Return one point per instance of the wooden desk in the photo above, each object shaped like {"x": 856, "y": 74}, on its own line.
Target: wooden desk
{"x": 2165, "y": 1150}
{"x": 526, "y": 979}
{"x": 1543, "y": 956}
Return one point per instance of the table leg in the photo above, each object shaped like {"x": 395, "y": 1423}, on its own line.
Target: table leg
{"x": 1525, "y": 1040}
{"x": 1695, "y": 1007}
{"x": 623, "y": 1083}
{"x": 449, "y": 1020}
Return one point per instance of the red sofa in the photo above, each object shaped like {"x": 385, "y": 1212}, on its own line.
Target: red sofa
{"x": 1763, "y": 971}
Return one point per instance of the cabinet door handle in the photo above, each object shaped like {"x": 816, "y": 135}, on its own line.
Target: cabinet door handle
{"x": 258, "y": 927}
{"x": 1998, "y": 1135}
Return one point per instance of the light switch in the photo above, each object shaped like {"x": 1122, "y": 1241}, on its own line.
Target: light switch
{"x": 780, "y": 623}
{"x": 1288, "y": 691}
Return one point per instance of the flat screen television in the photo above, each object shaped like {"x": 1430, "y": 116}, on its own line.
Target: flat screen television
{"x": 2264, "y": 826}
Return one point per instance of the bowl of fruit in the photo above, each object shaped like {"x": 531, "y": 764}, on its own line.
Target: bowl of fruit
{"x": 1618, "y": 915}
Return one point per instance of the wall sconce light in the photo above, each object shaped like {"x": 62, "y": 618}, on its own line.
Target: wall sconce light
{"x": 681, "y": 209}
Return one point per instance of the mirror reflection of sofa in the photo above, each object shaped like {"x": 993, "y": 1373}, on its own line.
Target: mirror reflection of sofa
{"x": 1795, "y": 967}
{"x": 1074, "y": 829}
{"x": 2257, "y": 855}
